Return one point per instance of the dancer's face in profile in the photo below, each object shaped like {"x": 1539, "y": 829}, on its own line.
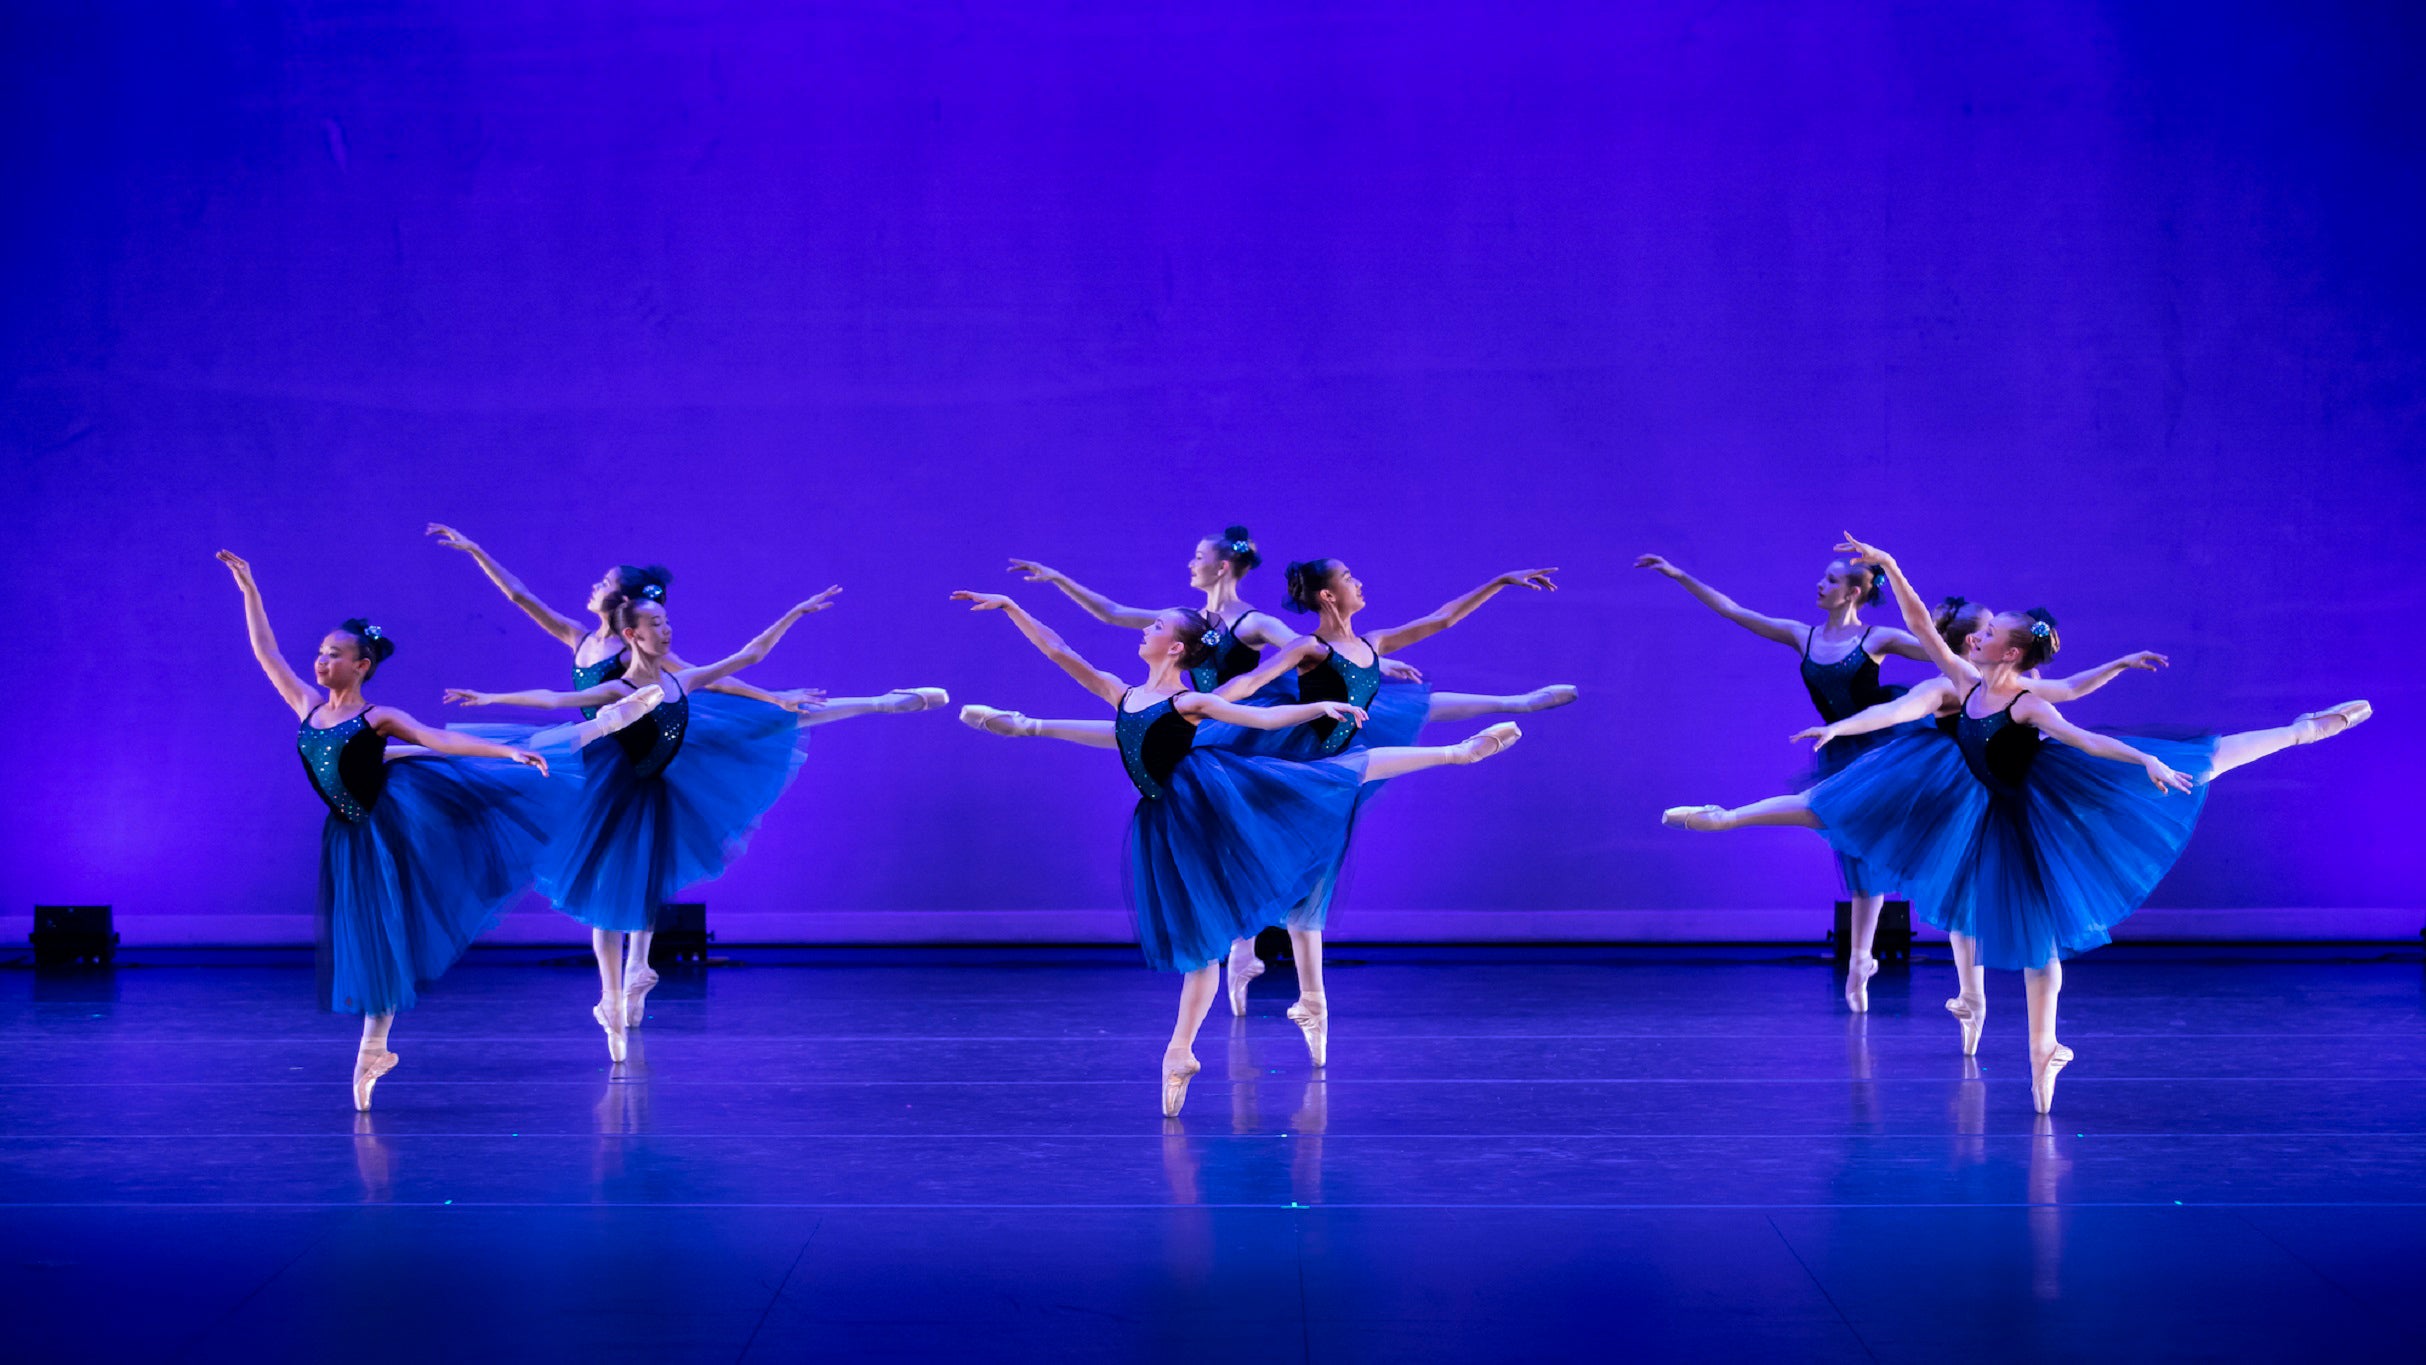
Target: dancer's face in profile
{"x": 1207, "y": 567}
{"x": 1347, "y": 591}
{"x": 1161, "y": 639}
{"x": 1843, "y": 585}
{"x": 1998, "y": 639}
{"x": 606, "y": 586}
{"x": 340, "y": 662}
{"x": 1972, "y": 620}
{"x": 650, "y": 632}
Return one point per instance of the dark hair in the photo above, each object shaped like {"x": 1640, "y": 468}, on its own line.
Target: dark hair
{"x": 635, "y": 583}
{"x": 1193, "y": 627}
{"x": 1949, "y": 617}
{"x": 1236, "y": 546}
{"x": 1878, "y": 584}
{"x": 625, "y": 613}
{"x": 1307, "y": 579}
{"x": 370, "y": 642}
{"x": 2041, "y": 641}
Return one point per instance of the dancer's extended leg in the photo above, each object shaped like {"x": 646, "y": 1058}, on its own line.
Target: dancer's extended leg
{"x": 1777, "y": 810}
{"x": 2251, "y": 745}
{"x": 373, "y": 1060}
{"x": 2047, "y": 1056}
{"x": 1179, "y": 1064}
{"x": 1398, "y": 760}
{"x": 899, "y": 701}
{"x": 1453, "y": 706}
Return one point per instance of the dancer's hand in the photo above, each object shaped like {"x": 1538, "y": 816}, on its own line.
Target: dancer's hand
{"x": 1658, "y": 564}
{"x": 816, "y": 604}
{"x": 1819, "y": 735}
{"x": 1536, "y": 579}
{"x": 2146, "y": 658}
{"x": 1866, "y": 554}
{"x": 1339, "y": 710}
{"x": 236, "y": 565}
{"x": 531, "y": 760}
{"x": 1035, "y": 572}
{"x": 452, "y": 538}
{"x": 982, "y": 601}
{"x": 1399, "y": 670}
{"x": 463, "y": 696}
{"x": 2166, "y": 779}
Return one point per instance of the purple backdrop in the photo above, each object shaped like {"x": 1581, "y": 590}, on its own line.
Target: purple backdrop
{"x": 2097, "y": 306}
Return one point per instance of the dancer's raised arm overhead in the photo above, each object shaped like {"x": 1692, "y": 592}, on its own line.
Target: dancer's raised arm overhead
{"x": 597, "y": 655}
{"x": 1221, "y": 842}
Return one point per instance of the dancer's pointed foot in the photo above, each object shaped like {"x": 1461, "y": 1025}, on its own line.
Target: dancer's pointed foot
{"x": 1970, "y": 1011}
{"x": 995, "y": 722}
{"x": 369, "y": 1065}
{"x": 1312, "y": 1015}
{"x": 902, "y": 700}
{"x": 1178, "y": 1068}
{"x": 1551, "y": 697}
{"x": 636, "y": 987}
{"x": 2043, "y": 1069}
{"x": 1245, "y": 966}
{"x": 2316, "y": 725}
{"x": 1491, "y": 740}
{"x": 609, "y": 1014}
{"x": 1857, "y": 983}
{"x": 1703, "y": 818}
{"x": 615, "y": 715}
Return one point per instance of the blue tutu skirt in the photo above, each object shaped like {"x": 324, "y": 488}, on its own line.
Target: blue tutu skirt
{"x": 632, "y": 843}
{"x": 1859, "y": 877}
{"x": 1233, "y": 842}
{"x": 1396, "y": 717}
{"x": 2036, "y": 874}
{"x": 449, "y": 844}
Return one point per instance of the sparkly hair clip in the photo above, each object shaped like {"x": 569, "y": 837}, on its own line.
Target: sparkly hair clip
{"x": 2041, "y": 630}
{"x": 655, "y": 592}
{"x": 373, "y": 633}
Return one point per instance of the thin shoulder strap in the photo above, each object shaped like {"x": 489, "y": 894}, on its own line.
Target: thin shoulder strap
{"x": 1808, "y": 636}
{"x": 1864, "y": 642}
{"x": 1967, "y": 696}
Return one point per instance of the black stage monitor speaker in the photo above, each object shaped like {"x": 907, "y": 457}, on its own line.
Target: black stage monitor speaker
{"x": 73, "y": 935}
{"x": 682, "y": 935}
{"x": 1894, "y": 941}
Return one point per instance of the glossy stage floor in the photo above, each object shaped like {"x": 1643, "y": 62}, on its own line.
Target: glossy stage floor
{"x": 1543, "y": 1155}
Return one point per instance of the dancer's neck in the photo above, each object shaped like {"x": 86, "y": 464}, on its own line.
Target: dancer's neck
{"x": 1222, "y": 601}
{"x": 347, "y": 699}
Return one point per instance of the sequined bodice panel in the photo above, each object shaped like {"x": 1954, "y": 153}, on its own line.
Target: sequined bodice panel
{"x": 347, "y": 763}
{"x": 1232, "y": 657}
{"x": 1845, "y": 688}
{"x": 608, "y": 669}
{"x": 652, "y": 741}
{"x": 1340, "y": 678}
{"x": 1152, "y": 742}
{"x": 1998, "y": 748}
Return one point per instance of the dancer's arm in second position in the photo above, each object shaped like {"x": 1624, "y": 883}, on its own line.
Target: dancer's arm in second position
{"x": 1095, "y": 604}
{"x": 1458, "y": 609}
{"x": 2037, "y": 711}
{"x": 2083, "y": 683}
{"x": 707, "y": 675}
{"x": 1921, "y": 702}
{"x": 1777, "y": 628}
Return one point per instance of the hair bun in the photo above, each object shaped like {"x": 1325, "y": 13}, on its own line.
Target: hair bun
{"x": 1235, "y": 533}
{"x": 370, "y": 639}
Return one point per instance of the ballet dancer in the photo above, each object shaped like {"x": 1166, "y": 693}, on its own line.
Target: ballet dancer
{"x": 669, "y": 804}
{"x": 1222, "y": 841}
{"x": 423, "y": 848}
{"x": 2025, "y": 852}
{"x": 1846, "y": 682}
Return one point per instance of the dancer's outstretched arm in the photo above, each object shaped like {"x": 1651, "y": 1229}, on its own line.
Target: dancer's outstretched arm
{"x": 1049, "y": 642}
{"x": 2081, "y": 684}
{"x": 1916, "y": 616}
{"x": 756, "y": 650}
{"x": 1423, "y": 627}
{"x": 1301, "y": 652}
{"x": 1776, "y": 628}
{"x": 541, "y": 698}
{"x": 1263, "y": 631}
{"x": 1207, "y": 706}
{"x": 550, "y": 620}
{"x": 396, "y": 725}
{"x": 1095, "y": 604}
{"x": 2033, "y": 710}
{"x": 1920, "y": 703}
{"x": 1901, "y": 643}
{"x": 792, "y": 699}
{"x": 290, "y": 685}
